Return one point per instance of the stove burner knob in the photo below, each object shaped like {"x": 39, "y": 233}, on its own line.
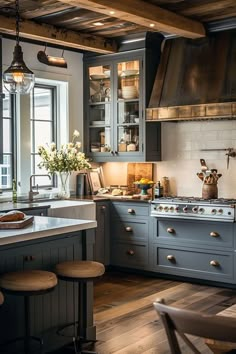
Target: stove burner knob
{"x": 213, "y": 211}
{"x": 201, "y": 210}
{"x": 177, "y": 209}
{"x": 166, "y": 208}
{"x": 220, "y": 211}
{"x": 195, "y": 209}
{"x": 160, "y": 208}
{"x": 185, "y": 209}
{"x": 171, "y": 208}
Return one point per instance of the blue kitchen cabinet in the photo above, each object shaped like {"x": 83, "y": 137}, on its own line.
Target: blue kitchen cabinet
{"x": 117, "y": 92}
{"x": 195, "y": 249}
{"x": 129, "y": 234}
{"x": 102, "y": 233}
{"x": 47, "y": 311}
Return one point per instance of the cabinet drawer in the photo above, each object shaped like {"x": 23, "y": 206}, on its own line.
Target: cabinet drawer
{"x": 130, "y": 209}
{"x": 129, "y": 255}
{"x": 38, "y": 212}
{"x": 129, "y": 230}
{"x": 189, "y": 262}
{"x": 207, "y": 234}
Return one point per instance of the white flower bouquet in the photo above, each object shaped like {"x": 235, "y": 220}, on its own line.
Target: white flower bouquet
{"x": 67, "y": 158}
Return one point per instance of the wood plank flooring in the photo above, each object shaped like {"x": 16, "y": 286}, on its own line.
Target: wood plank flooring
{"x": 127, "y": 322}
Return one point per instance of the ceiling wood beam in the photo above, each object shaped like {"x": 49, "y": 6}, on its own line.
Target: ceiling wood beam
{"x": 144, "y": 14}
{"x": 59, "y": 36}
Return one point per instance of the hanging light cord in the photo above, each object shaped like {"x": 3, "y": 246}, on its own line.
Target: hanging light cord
{"x": 17, "y": 22}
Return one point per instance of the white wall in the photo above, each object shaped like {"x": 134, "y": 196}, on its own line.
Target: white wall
{"x": 181, "y": 152}
{"x": 73, "y": 75}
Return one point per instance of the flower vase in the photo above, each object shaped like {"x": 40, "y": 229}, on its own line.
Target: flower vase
{"x": 63, "y": 179}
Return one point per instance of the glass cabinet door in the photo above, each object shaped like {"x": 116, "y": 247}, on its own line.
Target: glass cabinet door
{"x": 99, "y": 113}
{"x": 128, "y": 106}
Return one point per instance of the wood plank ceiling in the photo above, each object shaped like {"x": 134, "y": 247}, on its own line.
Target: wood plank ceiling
{"x": 95, "y": 25}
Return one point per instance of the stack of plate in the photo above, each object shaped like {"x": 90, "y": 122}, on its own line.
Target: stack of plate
{"x": 129, "y": 92}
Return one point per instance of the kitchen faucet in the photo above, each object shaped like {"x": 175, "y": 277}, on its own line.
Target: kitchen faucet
{"x": 31, "y": 192}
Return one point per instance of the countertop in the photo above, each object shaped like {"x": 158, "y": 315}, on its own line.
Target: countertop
{"x": 43, "y": 226}
{"x": 53, "y": 204}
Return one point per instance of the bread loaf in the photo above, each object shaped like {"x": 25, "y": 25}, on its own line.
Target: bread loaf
{"x": 13, "y": 215}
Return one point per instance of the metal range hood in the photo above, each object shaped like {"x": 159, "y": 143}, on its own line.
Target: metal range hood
{"x": 196, "y": 79}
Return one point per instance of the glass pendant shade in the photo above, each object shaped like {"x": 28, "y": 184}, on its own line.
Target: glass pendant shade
{"x": 18, "y": 78}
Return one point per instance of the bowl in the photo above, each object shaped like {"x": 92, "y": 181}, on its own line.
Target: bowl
{"x": 136, "y": 120}
{"x": 144, "y": 187}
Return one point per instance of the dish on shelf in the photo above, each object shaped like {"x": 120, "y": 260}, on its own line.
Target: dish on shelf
{"x": 107, "y": 73}
{"x": 98, "y": 77}
{"x": 129, "y": 72}
{"x": 95, "y": 150}
{"x": 98, "y": 122}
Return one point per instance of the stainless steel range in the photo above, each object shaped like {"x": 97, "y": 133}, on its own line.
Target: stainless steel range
{"x": 194, "y": 208}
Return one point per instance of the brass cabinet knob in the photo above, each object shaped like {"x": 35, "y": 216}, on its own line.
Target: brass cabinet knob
{"x": 128, "y": 229}
{"x": 131, "y": 211}
{"x": 170, "y": 230}
{"x": 42, "y": 213}
{"x": 214, "y": 263}
{"x": 170, "y": 257}
{"x": 214, "y": 234}
{"x": 130, "y": 252}
{"x": 103, "y": 207}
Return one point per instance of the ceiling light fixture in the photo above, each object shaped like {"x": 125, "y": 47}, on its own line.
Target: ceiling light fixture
{"x": 50, "y": 60}
{"x": 152, "y": 25}
{"x": 18, "y": 78}
{"x": 98, "y": 24}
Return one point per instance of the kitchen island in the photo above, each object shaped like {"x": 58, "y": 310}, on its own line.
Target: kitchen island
{"x": 41, "y": 245}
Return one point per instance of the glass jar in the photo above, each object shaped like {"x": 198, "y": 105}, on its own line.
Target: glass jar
{"x": 165, "y": 185}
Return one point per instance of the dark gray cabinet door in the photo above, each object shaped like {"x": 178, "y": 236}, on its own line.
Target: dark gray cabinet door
{"x": 102, "y": 233}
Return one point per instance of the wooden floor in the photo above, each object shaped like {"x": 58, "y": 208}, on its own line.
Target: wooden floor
{"x": 125, "y": 318}
{"x": 126, "y": 321}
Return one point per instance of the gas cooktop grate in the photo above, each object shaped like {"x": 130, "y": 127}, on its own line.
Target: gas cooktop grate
{"x": 195, "y": 200}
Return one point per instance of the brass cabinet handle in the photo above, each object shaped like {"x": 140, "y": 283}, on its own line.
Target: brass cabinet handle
{"x": 214, "y": 234}
{"x": 170, "y": 230}
{"x": 214, "y": 263}
{"x": 170, "y": 257}
{"x": 131, "y": 211}
{"x": 130, "y": 252}
{"x": 128, "y": 229}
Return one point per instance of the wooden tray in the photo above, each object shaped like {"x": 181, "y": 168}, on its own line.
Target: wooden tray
{"x": 17, "y": 224}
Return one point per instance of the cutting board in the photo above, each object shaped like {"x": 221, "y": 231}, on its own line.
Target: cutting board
{"x": 17, "y": 224}
{"x": 135, "y": 171}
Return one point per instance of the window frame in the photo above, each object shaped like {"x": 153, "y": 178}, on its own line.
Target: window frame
{"x": 33, "y": 154}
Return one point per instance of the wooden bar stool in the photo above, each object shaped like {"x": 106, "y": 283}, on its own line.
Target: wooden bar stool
{"x": 27, "y": 283}
{"x": 81, "y": 272}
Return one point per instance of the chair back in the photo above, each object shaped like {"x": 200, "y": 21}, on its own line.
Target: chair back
{"x": 183, "y": 322}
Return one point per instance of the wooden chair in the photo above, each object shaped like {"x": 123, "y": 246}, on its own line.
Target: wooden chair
{"x": 220, "y": 328}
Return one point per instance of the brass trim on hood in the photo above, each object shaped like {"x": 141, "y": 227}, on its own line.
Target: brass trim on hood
{"x": 226, "y": 110}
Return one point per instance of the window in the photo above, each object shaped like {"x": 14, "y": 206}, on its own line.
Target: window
{"x": 43, "y": 126}
{"x": 7, "y": 167}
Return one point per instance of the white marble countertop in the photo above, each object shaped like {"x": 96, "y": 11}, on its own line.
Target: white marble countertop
{"x": 44, "y": 227}
{"x": 53, "y": 204}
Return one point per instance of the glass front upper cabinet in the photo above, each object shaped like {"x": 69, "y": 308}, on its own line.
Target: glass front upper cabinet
{"x": 128, "y": 106}
{"x": 100, "y": 103}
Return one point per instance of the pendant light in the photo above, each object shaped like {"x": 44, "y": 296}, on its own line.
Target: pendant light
{"x": 18, "y": 78}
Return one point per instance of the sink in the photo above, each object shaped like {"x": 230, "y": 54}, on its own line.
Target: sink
{"x": 66, "y": 208}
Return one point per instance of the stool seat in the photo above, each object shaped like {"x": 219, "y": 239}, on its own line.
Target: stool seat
{"x": 80, "y": 269}
{"x": 28, "y": 280}
{"x": 1, "y": 298}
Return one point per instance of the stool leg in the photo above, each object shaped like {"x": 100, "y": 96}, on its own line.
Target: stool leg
{"x": 27, "y": 325}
